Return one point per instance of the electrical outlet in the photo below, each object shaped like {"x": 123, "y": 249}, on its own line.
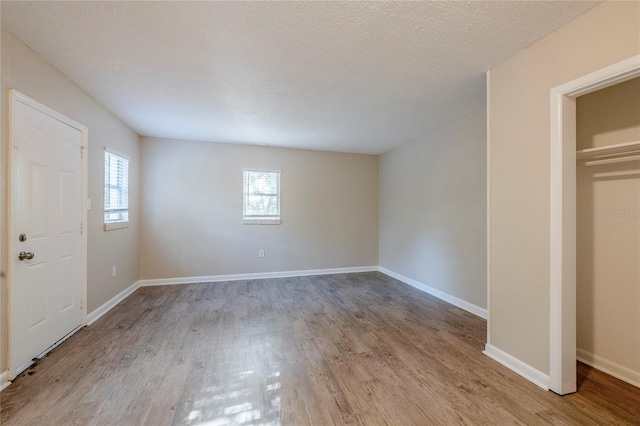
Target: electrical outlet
{"x": 260, "y": 253}
{"x": 114, "y": 271}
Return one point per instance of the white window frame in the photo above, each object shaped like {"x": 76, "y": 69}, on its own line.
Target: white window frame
{"x": 261, "y": 219}
{"x": 110, "y": 225}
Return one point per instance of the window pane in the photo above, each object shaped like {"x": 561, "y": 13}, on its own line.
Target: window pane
{"x": 261, "y": 194}
{"x": 116, "y": 188}
{"x": 262, "y": 205}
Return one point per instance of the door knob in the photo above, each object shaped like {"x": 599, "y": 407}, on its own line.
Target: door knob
{"x": 24, "y": 255}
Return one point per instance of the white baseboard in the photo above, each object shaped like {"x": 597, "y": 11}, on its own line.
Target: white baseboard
{"x": 4, "y": 379}
{"x": 616, "y": 370}
{"x": 93, "y": 316}
{"x": 462, "y": 304}
{"x": 514, "y": 364}
{"x": 254, "y": 276}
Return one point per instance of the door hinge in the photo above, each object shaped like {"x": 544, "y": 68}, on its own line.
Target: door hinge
{"x": 81, "y": 303}
{"x": 82, "y": 148}
{"x": 81, "y": 228}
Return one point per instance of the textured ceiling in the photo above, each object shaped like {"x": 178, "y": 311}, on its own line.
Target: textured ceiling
{"x": 342, "y": 76}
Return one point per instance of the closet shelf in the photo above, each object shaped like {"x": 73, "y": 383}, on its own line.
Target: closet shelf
{"x": 610, "y": 153}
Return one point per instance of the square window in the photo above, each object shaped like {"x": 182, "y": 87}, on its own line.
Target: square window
{"x": 261, "y": 198}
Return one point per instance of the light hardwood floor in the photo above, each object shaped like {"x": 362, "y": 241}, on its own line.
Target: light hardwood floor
{"x": 341, "y": 349}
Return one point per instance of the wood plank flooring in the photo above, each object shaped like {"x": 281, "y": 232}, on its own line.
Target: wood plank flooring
{"x": 356, "y": 349}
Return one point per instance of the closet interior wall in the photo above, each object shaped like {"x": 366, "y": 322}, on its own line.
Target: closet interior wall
{"x": 608, "y": 234}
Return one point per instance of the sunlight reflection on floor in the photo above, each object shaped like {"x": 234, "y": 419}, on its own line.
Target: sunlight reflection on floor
{"x": 228, "y": 405}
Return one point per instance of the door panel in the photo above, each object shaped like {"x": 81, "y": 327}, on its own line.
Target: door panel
{"x": 37, "y": 191}
{"x": 67, "y": 193}
{"x": 67, "y": 283}
{"x": 38, "y": 288}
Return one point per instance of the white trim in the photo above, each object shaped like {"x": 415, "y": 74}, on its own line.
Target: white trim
{"x": 254, "y": 276}
{"x": 13, "y": 98}
{"x": 613, "y": 369}
{"x": 602, "y": 78}
{"x": 4, "y": 379}
{"x": 263, "y": 170}
{"x": 488, "y": 96}
{"x": 514, "y": 364}
{"x": 15, "y": 95}
{"x": 111, "y": 303}
{"x": 262, "y": 221}
{"x": 85, "y": 224}
{"x": 111, "y": 226}
{"x": 562, "y": 146}
{"x": 118, "y": 153}
{"x": 462, "y": 304}
{"x": 562, "y": 263}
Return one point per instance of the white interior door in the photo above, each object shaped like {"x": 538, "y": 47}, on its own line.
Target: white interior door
{"x": 46, "y": 243}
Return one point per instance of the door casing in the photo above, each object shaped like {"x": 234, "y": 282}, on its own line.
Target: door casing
{"x": 14, "y": 98}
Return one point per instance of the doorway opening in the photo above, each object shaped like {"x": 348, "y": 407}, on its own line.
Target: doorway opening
{"x": 562, "y": 374}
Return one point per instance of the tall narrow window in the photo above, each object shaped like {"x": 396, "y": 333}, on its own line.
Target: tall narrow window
{"x": 261, "y": 198}
{"x": 116, "y": 191}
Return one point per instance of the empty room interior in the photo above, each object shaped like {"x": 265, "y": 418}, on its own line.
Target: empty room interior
{"x": 315, "y": 213}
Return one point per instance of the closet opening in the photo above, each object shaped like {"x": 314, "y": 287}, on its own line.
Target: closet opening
{"x": 608, "y": 230}
{"x": 563, "y": 213}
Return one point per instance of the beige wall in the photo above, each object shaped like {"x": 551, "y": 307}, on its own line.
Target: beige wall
{"x": 608, "y": 232}
{"x": 519, "y": 168}
{"x": 25, "y": 71}
{"x": 192, "y": 205}
{"x": 433, "y": 210}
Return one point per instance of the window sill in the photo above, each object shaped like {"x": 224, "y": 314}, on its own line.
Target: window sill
{"x": 112, "y": 226}
{"x": 263, "y": 221}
